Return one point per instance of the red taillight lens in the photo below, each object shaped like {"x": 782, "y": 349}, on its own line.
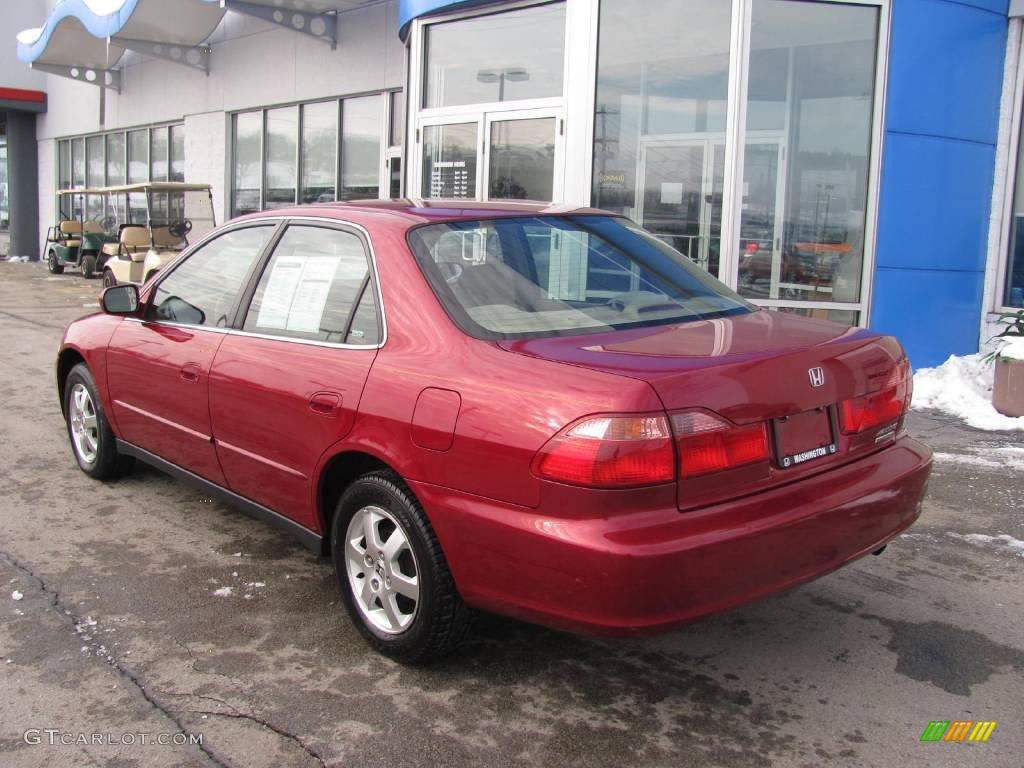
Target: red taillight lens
{"x": 888, "y": 405}
{"x": 610, "y": 452}
{"x": 708, "y": 443}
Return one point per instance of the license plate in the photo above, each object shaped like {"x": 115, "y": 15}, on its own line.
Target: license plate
{"x": 804, "y": 437}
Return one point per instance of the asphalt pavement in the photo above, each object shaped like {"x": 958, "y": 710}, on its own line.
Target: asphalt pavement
{"x": 119, "y": 635}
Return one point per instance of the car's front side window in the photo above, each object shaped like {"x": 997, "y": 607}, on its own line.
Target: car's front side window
{"x": 203, "y": 289}
{"x": 317, "y": 286}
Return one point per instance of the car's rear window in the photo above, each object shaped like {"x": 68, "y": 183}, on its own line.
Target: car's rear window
{"x": 514, "y": 278}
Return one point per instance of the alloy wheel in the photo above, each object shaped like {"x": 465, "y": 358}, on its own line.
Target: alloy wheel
{"x": 85, "y": 430}
{"x": 382, "y": 570}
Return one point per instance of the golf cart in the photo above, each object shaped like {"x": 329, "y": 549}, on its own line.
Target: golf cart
{"x": 76, "y": 239}
{"x": 154, "y": 223}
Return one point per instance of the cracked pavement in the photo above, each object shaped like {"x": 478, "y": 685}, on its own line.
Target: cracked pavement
{"x": 119, "y": 630}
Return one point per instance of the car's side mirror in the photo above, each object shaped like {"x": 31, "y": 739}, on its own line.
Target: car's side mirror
{"x": 120, "y": 300}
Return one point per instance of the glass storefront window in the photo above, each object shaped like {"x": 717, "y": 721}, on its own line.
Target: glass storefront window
{"x": 95, "y": 175}
{"x": 844, "y": 316}
{"x": 158, "y": 154}
{"x": 397, "y": 107}
{"x": 812, "y": 101}
{"x": 5, "y": 206}
{"x": 662, "y": 97}
{"x": 115, "y": 159}
{"x": 362, "y": 125}
{"x": 499, "y": 57}
{"x": 521, "y": 160}
{"x": 449, "y": 161}
{"x": 138, "y": 156}
{"x": 247, "y": 147}
{"x": 319, "y": 152}
{"x": 1014, "y": 295}
{"x": 78, "y": 162}
{"x": 177, "y": 153}
{"x": 64, "y": 165}
{"x": 282, "y": 161}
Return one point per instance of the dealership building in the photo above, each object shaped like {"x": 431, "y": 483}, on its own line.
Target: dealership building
{"x": 859, "y": 161}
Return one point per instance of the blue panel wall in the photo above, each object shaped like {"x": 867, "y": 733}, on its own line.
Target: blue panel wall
{"x": 945, "y": 81}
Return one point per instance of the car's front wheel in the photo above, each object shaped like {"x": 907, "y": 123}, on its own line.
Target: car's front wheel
{"x": 54, "y": 266}
{"x": 92, "y": 440}
{"x": 393, "y": 576}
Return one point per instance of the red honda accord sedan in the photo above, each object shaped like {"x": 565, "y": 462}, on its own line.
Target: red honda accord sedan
{"x": 543, "y": 413}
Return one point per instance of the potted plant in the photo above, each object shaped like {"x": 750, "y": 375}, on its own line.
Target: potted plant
{"x": 1008, "y": 387}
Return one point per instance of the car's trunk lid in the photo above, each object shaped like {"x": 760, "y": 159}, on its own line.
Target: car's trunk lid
{"x": 787, "y": 371}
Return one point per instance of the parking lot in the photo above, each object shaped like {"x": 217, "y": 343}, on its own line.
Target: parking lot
{"x": 118, "y": 629}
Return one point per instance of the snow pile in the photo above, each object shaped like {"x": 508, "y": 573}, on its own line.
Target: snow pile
{"x": 223, "y": 592}
{"x": 1003, "y": 457}
{"x": 981, "y": 539}
{"x": 962, "y": 386}
{"x": 1013, "y": 348}
{"x": 16, "y": 595}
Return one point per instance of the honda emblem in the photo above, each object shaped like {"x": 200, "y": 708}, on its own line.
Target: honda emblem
{"x": 817, "y": 376}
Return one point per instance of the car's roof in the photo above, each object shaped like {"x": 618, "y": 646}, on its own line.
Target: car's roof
{"x": 414, "y": 212}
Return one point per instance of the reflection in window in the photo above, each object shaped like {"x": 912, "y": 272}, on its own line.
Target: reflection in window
{"x": 319, "y": 151}
{"x": 522, "y": 160}
{"x": 449, "y": 161}
{"x": 177, "y": 153}
{"x": 662, "y": 95}
{"x": 281, "y": 166}
{"x": 498, "y": 57}
{"x": 1014, "y": 296}
{"x": 362, "y": 124}
{"x": 203, "y": 289}
{"x": 309, "y": 289}
{"x": 138, "y": 156}
{"x": 802, "y": 231}
{"x": 158, "y": 154}
{"x": 247, "y": 145}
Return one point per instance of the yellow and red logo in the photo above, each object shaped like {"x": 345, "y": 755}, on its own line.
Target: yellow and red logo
{"x": 958, "y": 730}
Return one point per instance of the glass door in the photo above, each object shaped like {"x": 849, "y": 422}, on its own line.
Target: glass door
{"x": 681, "y": 183}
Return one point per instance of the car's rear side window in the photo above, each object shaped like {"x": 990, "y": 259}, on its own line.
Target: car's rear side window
{"x": 203, "y": 289}
{"x": 317, "y": 286}
{"x": 521, "y": 277}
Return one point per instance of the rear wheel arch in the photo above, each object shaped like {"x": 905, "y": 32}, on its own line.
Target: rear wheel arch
{"x": 340, "y": 471}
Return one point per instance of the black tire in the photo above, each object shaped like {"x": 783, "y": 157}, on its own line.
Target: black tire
{"x": 441, "y": 619}
{"x": 52, "y": 265}
{"x": 108, "y": 278}
{"x": 106, "y": 463}
{"x": 89, "y": 266}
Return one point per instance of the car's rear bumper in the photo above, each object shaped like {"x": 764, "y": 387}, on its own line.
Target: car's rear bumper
{"x": 648, "y": 570}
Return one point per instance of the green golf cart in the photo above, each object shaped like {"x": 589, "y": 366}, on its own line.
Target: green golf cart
{"x": 77, "y": 240}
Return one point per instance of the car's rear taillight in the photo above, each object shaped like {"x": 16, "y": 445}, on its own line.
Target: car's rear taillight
{"x": 883, "y": 407}
{"x": 610, "y": 452}
{"x": 708, "y": 443}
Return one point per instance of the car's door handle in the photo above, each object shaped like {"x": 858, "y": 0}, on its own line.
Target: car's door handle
{"x": 190, "y": 373}
{"x": 325, "y": 403}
